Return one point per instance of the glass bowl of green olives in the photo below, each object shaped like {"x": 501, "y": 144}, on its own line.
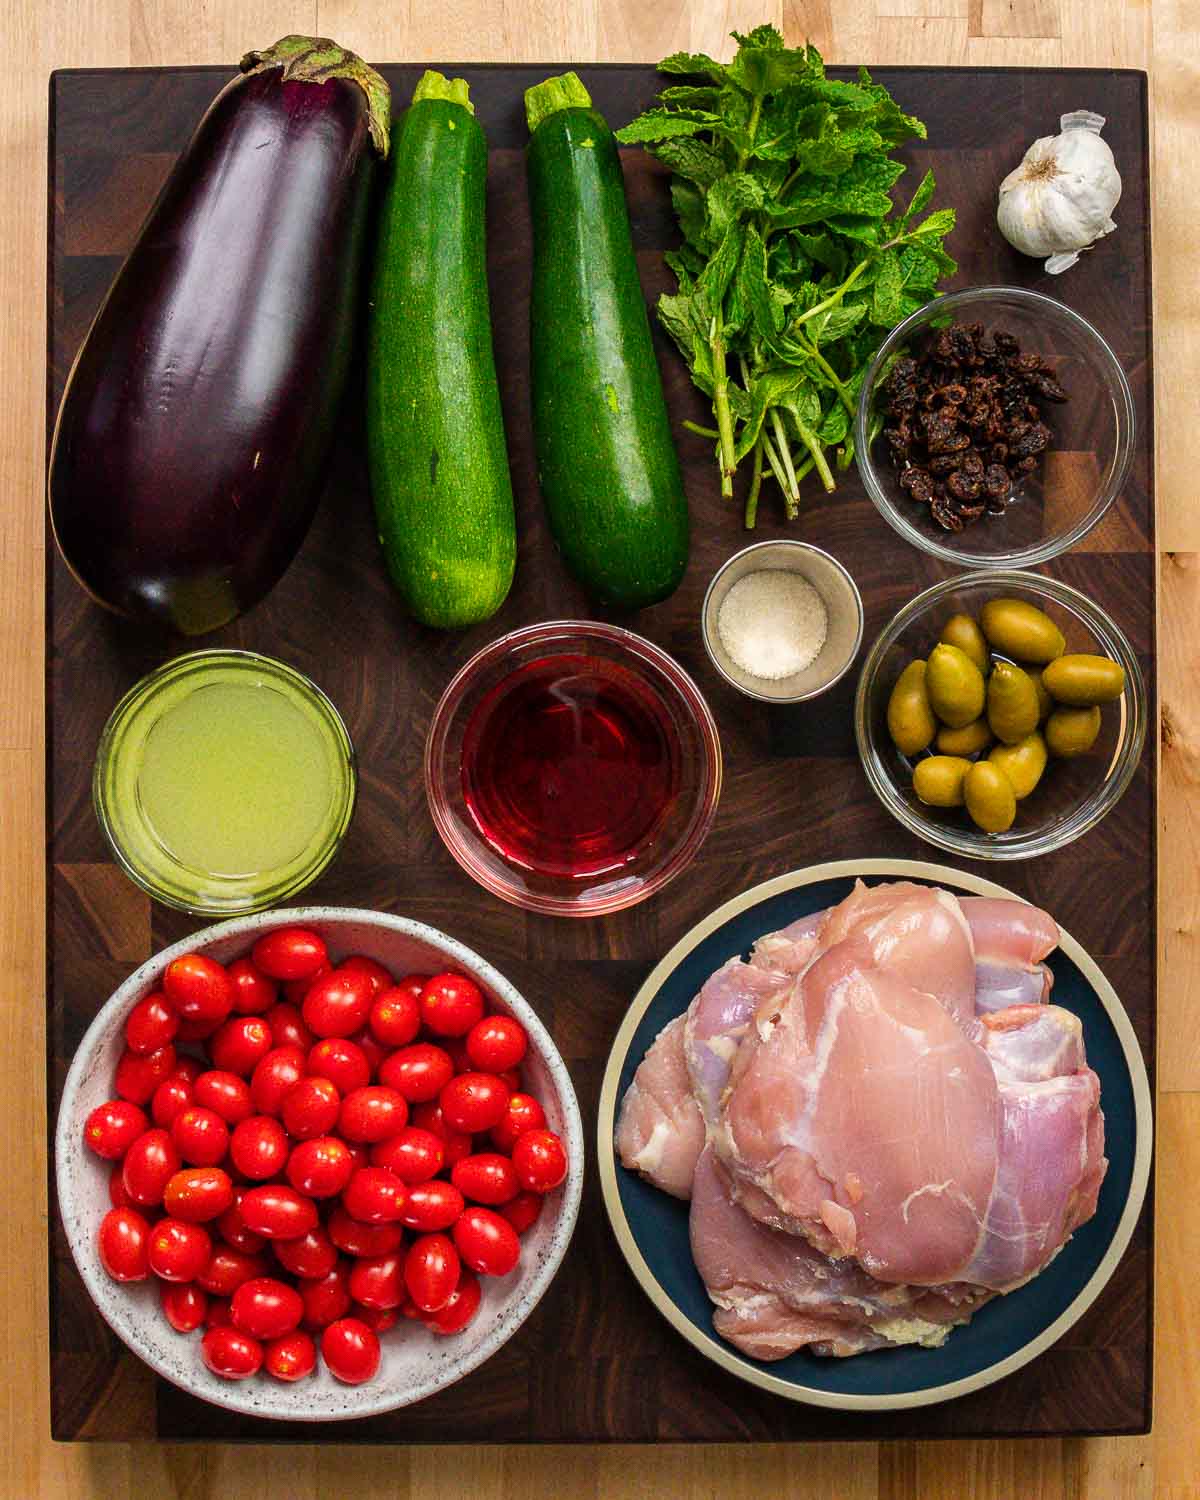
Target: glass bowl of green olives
{"x": 1000, "y": 715}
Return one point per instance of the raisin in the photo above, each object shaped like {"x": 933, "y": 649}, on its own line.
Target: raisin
{"x": 1049, "y": 389}
{"x": 996, "y": 483}
{"x": 946, "y": 514}
{"x": 965, "y": 487}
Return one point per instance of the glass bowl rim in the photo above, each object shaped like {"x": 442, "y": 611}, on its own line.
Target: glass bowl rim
{"x": 1051, "y": 547}
{"x": 1093, "y": 809}
{"x": 150, "y": 683}
{"x": 663, "y": 665}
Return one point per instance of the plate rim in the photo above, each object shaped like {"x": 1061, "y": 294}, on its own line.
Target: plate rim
{"x": 724, "y": 1355}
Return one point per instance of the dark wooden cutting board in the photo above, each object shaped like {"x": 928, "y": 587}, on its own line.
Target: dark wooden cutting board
{"x": 594, "y": 1362}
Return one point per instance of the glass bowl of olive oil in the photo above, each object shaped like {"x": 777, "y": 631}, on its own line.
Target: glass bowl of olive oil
{"x": 224, "y": 782}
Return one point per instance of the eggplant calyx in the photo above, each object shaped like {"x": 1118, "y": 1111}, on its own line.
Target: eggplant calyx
{"x": 317, "y": 59}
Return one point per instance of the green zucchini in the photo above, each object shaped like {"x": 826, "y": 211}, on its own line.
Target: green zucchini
{"x": 435, "y": 433}
{"x": 607, "y": 465}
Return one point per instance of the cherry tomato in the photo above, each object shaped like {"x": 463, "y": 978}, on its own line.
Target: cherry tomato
{"x": 138, "y": 1075}
{"x": 187, "y": 1068}
{"x": 279, "y": 1212}
{"x": 450, "y": 1004}
{"x": 195, "y": 1031}
{"x": 414, "y": 1155}
{"x": 291, "y": 1357}
{"x": 117, "y": 1195}
{"x": 496, "y": 1044}
{"x": 486, "y": 1242}
{"x": 455, "y": 1144}
{"x": 523, "y": 1211}
{"x": 240, "y": 1044}
{"x": 380, "y": 1319}
{"x": 459, "y": 1309}
{"x": 201, "y": 1136}
{"x": 320, "y": 1168}
{"x": 378, "y": 1281}
{"x": 184, "y": 1307}
{"x": 395, "y": 1014}
{"x": 360, "y": 1239}
{"x": 523, "y": 1113}
{"x": 123, "y": 1241}
{"x": 372, "y": 1049}
{"x": 328, "y": 1299}
{"x": 217, "y": 1315}
{"x": 112, "y": 1128}
{"x": 173, "y": 1095}
{"x": 232, "y": 1227}
{"x": 358, "y": 963}
{"x": 338, "y": 1004}
{"x": 266, "y": 1307}
{"x": 372, "y": 1114}
{"x": 473, "y": 1102}
{"x": 225, "y": 1094}
{"x": 259, "y": 1147}
{"x": 294, "y": 990}
{"x": 431, "y": 1271}
{"x": 198, "y": 1194}
{"x": 540, "y": 1160}
{"x": 289, "y": 953}
{"x": 486, "y": 1177}
{"x": 253, "y": 991}
{"x": 311, "y": 1256}
{"x": 343, "y": 1062}
{"x": 198, "y": 988}
{"x": 228, "y": 1268}
{"x": 431, "y": 1206}
{"x": 178, "y": 1251}
{"x": 311, "y": 1109}
{"x": 350, "y": 1350}
{"x": 287, "y": 1026}
{"x": 275, "y": 1077}
{"x": 151, "y": 1024}
{"x": 374, "y": 1196}
{"x": 149, "y": 1165}
{"x": 231, "y": 1354}
{"x": 419, "y": 1072}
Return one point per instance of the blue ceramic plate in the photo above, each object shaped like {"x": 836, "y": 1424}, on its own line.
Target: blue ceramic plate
{"x": 652, "y": 1228}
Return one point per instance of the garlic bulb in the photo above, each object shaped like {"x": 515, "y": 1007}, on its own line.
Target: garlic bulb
{"x": 1060, "y": 199}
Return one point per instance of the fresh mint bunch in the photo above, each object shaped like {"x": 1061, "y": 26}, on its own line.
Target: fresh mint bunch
{"x": 794, "y": 259}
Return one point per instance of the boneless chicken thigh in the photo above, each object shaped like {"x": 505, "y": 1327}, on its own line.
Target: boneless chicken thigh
{"x": 876, "y": 1146}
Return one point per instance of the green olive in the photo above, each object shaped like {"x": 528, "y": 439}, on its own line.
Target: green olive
{"x": 1045, "y": 701}
{"x": 1023, "y": 763}
{"x": 989, "y": 796}
{"x": 1072, "y": 731}
{"x": 910, "y": 719}
{"x": 964, "y": 632}
{"x": 938, "y": 780}
{"x": 1012, "y": 703}
{"x": 1082, "y": 681}
{"x": 969, "y": 740}
{"x": 1020, "y": 629}
{"x": 955, "y": 686}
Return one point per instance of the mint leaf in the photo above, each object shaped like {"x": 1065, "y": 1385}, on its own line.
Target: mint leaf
{"x": 693, "y": 64}
{"x": 729, "y": 198}
{"x": 690, "y": 210}
{"x": 885, "y": 300}
{"x": 660, "y": 124}
{"x": 692, "y": 158}
{"x": 919, "y": 199}
{"x": 699, "y": 95}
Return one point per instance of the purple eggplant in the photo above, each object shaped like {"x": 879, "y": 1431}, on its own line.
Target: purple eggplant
{"x": 193, "y": 435}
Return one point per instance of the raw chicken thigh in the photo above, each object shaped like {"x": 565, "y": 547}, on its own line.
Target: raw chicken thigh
{"x": 873, "y": 1143}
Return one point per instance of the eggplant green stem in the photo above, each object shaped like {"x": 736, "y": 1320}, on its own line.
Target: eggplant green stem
{"x": 317, "y": 59}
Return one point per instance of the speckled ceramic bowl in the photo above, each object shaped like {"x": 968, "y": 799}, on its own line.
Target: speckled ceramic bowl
{"x": 415, "y": 1363}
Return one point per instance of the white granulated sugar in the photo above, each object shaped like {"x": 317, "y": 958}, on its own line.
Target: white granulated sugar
{"x": 772, "y": 623}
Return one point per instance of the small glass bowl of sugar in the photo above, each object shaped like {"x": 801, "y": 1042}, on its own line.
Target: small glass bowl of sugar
{"x": 782, "y": 621}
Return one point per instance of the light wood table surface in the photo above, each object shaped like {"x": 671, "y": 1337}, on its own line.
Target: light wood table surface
{"x": 1161, "y": 36}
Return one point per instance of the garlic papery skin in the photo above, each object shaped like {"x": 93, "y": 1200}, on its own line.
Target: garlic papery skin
{"x": 1059, "y": 201}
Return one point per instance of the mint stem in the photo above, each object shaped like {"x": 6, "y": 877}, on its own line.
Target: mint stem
{"x": 813, "y": 443}
{"x": 705, "y": 432}
{"x": 791, "y": 490}
{"x": 721, "y": 407}
{"x": 755, "y": 486}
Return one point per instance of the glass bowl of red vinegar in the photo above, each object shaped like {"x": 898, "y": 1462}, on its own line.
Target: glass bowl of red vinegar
{"x": 573, "y": 768}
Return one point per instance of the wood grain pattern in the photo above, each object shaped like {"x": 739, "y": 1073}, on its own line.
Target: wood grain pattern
{"x": 591, "y": 1365}
{"x": 38, "y": 35}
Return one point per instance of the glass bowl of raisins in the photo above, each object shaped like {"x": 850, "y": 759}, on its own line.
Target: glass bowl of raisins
{"x": 995, "y": 428}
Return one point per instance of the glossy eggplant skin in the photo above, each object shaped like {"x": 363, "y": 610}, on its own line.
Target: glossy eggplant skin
{"x": 192, "y": 439}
